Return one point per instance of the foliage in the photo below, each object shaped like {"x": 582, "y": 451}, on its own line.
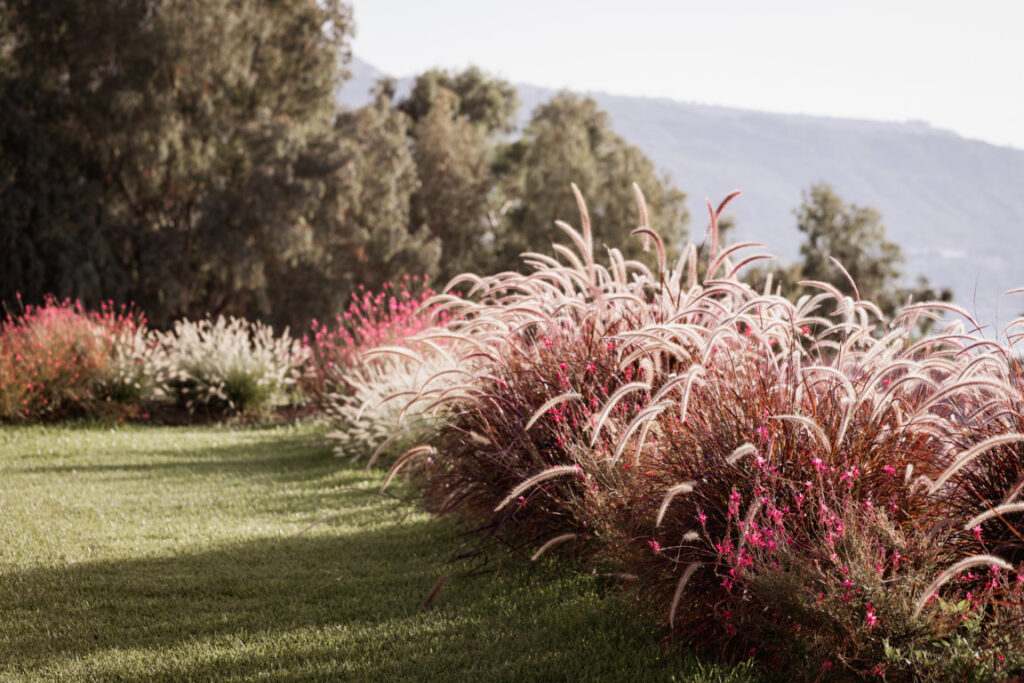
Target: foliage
{"x": 453, "y": 160}
{"x": 481, "y": 100}
{"x": 203, "y": 168}
{"x": 189, "y": 156}
{"x": 361, "y": 236}
{"x": 350, "y": 385}
{"x": 483, "y": 195}
{"x": 372, "y": 319}
{"x": 570, "y": 140}
{"x": 777, "y": 477}
{"x": 59, "y": 359}
{"x": 855, "y": 237}
{"x": 229, "y": 364}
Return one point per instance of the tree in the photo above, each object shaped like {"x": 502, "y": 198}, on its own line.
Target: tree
{"x": 360, "y": 233}
{"x": 458, "y": 122}
{"x": 182, "y": 153}
{"x": 854, "y": 236}
{"x": 479, "y": 99}
{"x": 570, "y": 140}
{"x": 453, "y": 160}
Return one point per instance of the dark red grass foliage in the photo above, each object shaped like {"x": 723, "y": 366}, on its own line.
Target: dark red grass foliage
{"x": 791, "y": 481}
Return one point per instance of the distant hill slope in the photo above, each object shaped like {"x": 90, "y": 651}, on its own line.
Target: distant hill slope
{"x": 956, "y": 206}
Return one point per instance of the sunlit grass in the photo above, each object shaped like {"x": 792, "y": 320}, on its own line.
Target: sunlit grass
{"x": 172, "y": 553}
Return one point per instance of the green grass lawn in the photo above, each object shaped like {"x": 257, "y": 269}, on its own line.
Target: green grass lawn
{"x": 172, "y": 553}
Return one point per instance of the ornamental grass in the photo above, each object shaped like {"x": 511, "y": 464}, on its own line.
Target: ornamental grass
{"x": 804, "y": 482}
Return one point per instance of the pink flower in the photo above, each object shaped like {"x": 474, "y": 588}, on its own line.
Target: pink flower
{"x": 869, "y": 618}
{"x": 734, "y": 503}
{"x": 977, "y": 532}
{"x": 655, "y": 546}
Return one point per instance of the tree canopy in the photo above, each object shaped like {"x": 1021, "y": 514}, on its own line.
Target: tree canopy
{"x": 191, "y": 156}
{"x": 855, "y": 237}
{"x": 570, "y": 140}
{"x": 168, "y": 152}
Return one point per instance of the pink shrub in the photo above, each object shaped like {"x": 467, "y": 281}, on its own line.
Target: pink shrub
{"x": 57, "y": 358}
{"x": 372, "y": 319}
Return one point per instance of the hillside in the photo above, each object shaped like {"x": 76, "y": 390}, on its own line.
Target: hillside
{"x": 956, "y": 206}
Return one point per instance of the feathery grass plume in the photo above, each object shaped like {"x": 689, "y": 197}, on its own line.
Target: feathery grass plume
{"x": 966, "y": 563}
{"x": 739, "y": 452}
{"x": 998, "y": 511}
{"x": 816, "y": 431}
{"x": 559, "y": 471}
{"x": 404, "y": 459}
{"x": 641, "y": 203}
{"x": 540, "y": 412}
{"x": 683, "y": 580}
{"x": 557, "y": 540}
{"x": 610, "y": 405}
{"x": 685, "y": 487}
{"x": 643, "y": 420}
{"x": 965, "y": 458}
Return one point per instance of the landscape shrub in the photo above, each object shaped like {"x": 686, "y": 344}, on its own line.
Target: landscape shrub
{"x": 229, "y": 364}
{"x": 805, "y": 482}
{"x": 138, "y": 368}
{"x": 372, "y": 319}
{"x": 362, "y": 375}
{"x": 58, "y": 359}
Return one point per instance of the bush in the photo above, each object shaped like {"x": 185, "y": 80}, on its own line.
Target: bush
{"x": 375, "y": 382}
{"x": 137, "y": 369}
{"x": 372, "y": 319}
{"x": 59, "y": 359}
{"x": 785, "y": 479}
{"x": 229, "y": 364}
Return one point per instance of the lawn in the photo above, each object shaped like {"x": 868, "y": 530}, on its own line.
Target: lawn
{"x": 155, "y": 553}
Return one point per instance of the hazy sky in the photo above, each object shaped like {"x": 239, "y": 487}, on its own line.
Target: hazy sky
{"x": 957, "y": 65}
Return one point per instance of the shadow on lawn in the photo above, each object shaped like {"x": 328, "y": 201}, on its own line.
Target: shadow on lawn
{"x": 339, "y": 605}
{"x": 334, "y": 603}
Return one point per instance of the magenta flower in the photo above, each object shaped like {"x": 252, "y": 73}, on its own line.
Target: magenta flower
{"x": 870, "y": 619}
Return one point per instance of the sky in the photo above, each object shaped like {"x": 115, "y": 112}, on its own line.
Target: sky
{"x": 956, "y": 65}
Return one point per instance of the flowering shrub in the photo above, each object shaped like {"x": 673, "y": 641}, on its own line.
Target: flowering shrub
{"x": 58, "y": 359}
{"x": 372, "y": 319}
{"x": 801, "y": 481}
{"x": 229, "y": 364}
{"x": 137, "y": 368}
{"x": 375, "y": 398}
